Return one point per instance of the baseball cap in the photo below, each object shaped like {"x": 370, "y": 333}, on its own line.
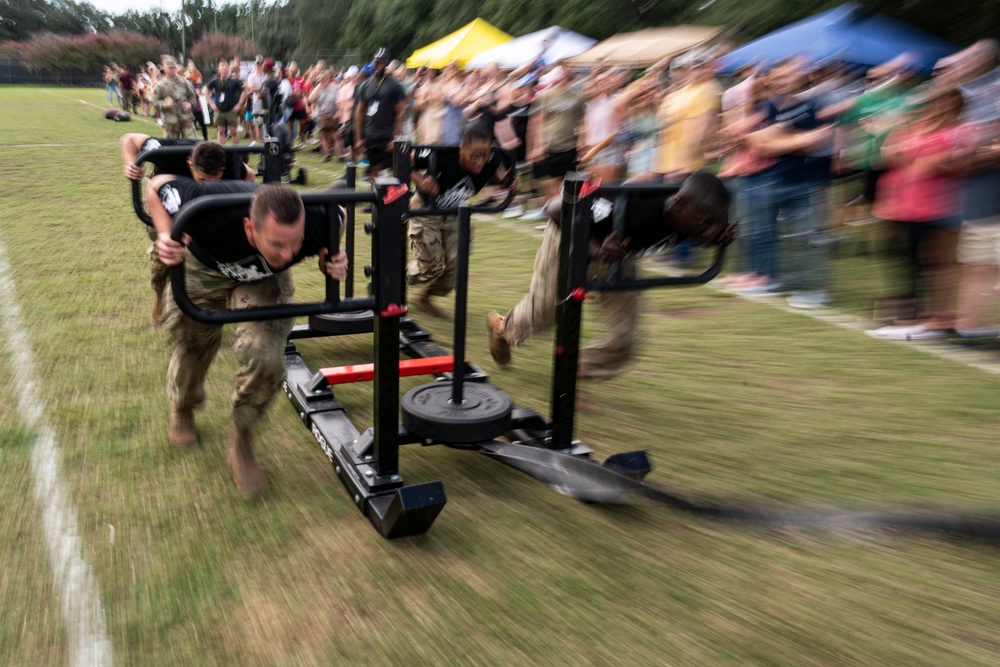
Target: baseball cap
{"x": 268, "y": 63}
{"x": 381, "y": 54}
{"x": 351, "y": 71}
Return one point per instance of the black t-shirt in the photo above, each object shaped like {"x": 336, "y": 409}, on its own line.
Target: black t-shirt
{"x": 177, "y": 164}
{"x": 454, "y": 184}
{"x": 219, "y": 240}
{"x": 272, "y": 98}
{"x": 644, "y": 225}
{"x": 227, "y": 93}
{"x": 381, "y": 96}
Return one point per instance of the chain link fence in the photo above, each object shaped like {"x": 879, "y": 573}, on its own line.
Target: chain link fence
{"x": 13, "y": 70}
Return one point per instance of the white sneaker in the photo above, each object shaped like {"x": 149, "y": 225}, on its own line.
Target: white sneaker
{"x": 252, "y": 144}
{"x": 537, "y": 215}
{"x": 515, "y": 211}
{"x": 914, "y": 332}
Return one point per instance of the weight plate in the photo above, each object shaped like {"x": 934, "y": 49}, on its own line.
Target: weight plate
{"x": 483, "y": 414}
{"x": 341, "y": 324}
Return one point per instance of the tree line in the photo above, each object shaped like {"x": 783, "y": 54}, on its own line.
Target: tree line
{"x": 283, "y": 27}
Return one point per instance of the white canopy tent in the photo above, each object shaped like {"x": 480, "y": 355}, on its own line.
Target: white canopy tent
{"x": 552, "y": 44}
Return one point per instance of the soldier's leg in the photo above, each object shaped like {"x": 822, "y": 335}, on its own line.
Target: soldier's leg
{"x": 427, "y": 245}
{"x": 187, "y": 129}
{"x": 159, "y": 275}
{"x": 535, "y": 313}
{"x": 260, "y": 349}
{"x": 195, "y": 345}
{"x": 445, "y": 283}
{"x": 606, "y": 357}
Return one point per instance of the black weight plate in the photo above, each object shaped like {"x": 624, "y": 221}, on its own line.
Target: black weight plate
{"x": 483, "y": 414}
{"x": 342, "y": 324}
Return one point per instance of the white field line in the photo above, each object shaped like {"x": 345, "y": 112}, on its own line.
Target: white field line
{"x": 2, "y": 146}
{"x": 971, "y": 358}
{"x": 80, "y": 600}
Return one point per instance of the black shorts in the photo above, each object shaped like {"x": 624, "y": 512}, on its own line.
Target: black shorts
{"x": 377, "y": 153}
{"x": 556, "y": 165}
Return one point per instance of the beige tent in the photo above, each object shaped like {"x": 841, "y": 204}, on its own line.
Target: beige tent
{"x": 645, "y": 47}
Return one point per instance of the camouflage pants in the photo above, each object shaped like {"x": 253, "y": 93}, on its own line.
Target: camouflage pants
{"x": 159, "y": 273}
{"x": 182, "y": 130}
{"x": 434, "y": 242}
{"x": 535, "y": 313}
{"x": 259, "y": 346}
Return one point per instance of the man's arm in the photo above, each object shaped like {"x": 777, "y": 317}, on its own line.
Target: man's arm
{"x": 131, "y": 147}
{"x": 171, "y": 252}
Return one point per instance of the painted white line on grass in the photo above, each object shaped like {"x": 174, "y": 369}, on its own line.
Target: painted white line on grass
{"x": 82, "y": 611}
{"x": 982, "y": 361}
{"x": 2, "y": 146}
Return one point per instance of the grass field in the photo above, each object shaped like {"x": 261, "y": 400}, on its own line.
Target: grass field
{"x": 733, "y": 399}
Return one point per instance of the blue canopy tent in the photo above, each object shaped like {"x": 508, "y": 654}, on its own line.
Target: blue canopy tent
{"x": 844, "y": 33}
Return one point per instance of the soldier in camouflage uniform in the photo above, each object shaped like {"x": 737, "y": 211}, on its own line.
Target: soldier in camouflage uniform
{"x": 700, "y": 211}
{"x": 174, "y": 97}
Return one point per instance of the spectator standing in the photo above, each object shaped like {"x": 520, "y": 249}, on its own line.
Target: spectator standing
{"x": 226, "y": 98}
{"x": 174, "y": 97}
{"x": 554, "y": 119}
{"x": 126, "y": 84}
{"x": 381, "y": 104}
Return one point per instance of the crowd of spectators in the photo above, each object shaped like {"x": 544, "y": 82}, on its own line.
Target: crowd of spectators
{"x": 807, "y": 150}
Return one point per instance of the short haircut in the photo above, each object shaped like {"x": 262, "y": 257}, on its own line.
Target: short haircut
{"x": 282, "y": 202}
{"x": 474, "y": 134}
{"x": 709, "y": 192}
{"x": 209, "y": 157}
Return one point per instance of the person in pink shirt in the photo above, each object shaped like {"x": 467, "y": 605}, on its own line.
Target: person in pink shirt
{"x": 919, "y": 192}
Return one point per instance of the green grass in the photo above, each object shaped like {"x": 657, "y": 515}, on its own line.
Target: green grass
{"x": 732, "y": 399}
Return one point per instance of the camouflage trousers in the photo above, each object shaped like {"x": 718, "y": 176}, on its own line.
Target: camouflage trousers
{"x": 159, "y": 273}
{"x": 183, "y": 130}
{"x": 259, "y": 346}
{"x": 434, "y": 242}
{"x": 535, "y": 313}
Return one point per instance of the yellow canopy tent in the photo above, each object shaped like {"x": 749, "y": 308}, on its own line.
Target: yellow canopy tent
{"x": 645, "y": 47}
{"x": 459, "y": 46}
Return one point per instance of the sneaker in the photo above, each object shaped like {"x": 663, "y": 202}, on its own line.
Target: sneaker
{"x": 807, "y": 300}
{"x": 515, "y": 211}
{"x": 536, "y": 215}
{"x": 499, "y": 347}
{"x": 252, "y": 144}
{"x": 913, "y": 332}
{"x": 767, "y": 287}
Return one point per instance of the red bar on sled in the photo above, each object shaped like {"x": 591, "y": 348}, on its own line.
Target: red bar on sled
{"x": 407, "y": 368}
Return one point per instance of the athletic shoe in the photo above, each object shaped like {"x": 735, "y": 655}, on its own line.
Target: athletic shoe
{"x": 536, "y": 215}
{"x": 515, "y": 211}
{"x": 760, "y": 288}
{"x": 914, "y": 332}
{"x": 807, "y": 300}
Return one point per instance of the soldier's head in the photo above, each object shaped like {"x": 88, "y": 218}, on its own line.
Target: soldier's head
{"x": 277, "y": 224}
{"x": 169, "y": 65}
{"x": 700, "y": 209}
{"x": 207, "y": 161}
{"x": 474, "y": 151}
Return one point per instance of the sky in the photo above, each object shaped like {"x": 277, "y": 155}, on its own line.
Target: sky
{"x": 122, "y": 6}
